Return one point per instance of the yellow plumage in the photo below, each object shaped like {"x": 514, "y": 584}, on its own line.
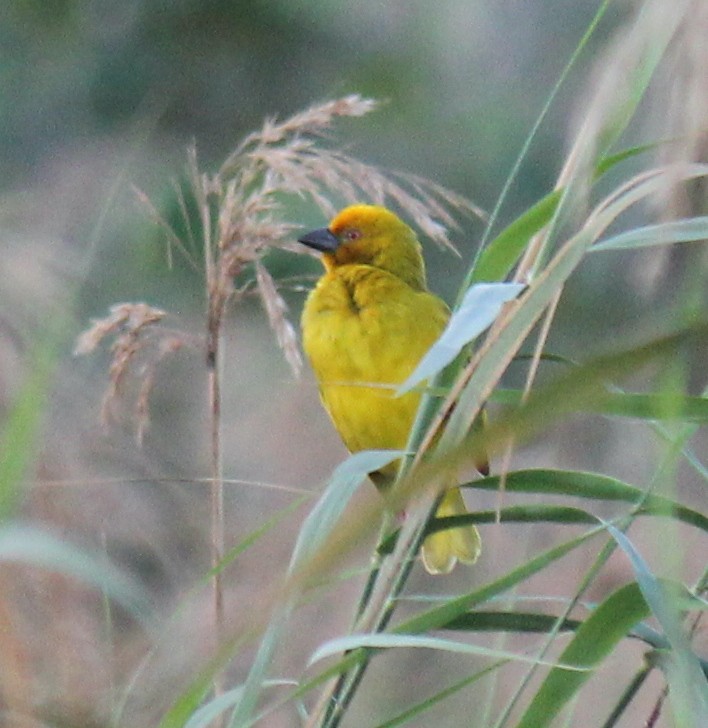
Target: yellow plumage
{"x": 366, "y": 324}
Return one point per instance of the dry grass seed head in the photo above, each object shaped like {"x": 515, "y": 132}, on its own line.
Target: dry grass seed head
{"x": 297, "y": 165}
{"x": 130, "y": 318}
{"x": 133, "y": 325}
{"x": 168, "y": 345}
{"x": 276, "y": 309}
{"x": 283, "y": 158}
{"x": 314, "y": 121}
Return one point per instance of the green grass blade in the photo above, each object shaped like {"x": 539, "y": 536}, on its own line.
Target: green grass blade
{"x": 317, "y": 527}
{"x": 529, "y": 513}
{"x": 591, "y": 486}
{"x": 628, "y": 695}
{"x": 203, "y": 717}
{"x": 398, "y": 640}
{"x": 637, "y": 75}
{"x": 516, "y": 622}
{"x": 687, "y": 230}
{"x": 594, "y": 640}
{"x": 687, "y": 682}
{"x": 196, "y": 691}
{"x": 243, "y": 714}
{"x": 440, "y": 615}
{"x": 627, "y": 404}
{"x": 187, "y": 704}
{"x": 249, "y": 693}
{"x": 245, "y": 543}
{"x": 428, "y": 703}
{"x": 502, "y": 253}
{"x": 582, "y": 43}
{"x": 529, "y": 307}
{"x": 344, "y": 482}
{"x": 654, "y": 407}
{"x": 499, "y": 257}
{"x": 612, "y": 160}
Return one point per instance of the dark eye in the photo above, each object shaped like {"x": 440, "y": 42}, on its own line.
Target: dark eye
{"x": 352, "y": 234}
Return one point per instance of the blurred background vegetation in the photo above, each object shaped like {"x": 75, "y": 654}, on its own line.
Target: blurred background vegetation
{"x": 98, "y": 99}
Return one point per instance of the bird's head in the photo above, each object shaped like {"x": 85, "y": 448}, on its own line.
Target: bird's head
{"x": 370, "y": 235}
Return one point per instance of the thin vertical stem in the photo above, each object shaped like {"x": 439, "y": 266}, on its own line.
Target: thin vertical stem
{"x": 656, "y": 710}
{"x": 629, "y": 694}
{"x": 216, "y": 303}
{"x": 217, "y": 478}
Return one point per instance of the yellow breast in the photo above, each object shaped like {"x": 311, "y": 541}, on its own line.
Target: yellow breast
{"x": 364, "y": 331}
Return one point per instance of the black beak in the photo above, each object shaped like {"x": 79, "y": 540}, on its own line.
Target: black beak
{"x": 322, "y": 240}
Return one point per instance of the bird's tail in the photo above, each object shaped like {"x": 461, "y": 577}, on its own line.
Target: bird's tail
{"x": 443, "y": 549}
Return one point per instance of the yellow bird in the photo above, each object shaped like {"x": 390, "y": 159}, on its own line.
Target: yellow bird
{"x": 366, "y": 325}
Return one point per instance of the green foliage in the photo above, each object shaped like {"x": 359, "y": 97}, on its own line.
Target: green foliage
{"x": 594, "y": 640}
{"x": 686, "y": 679}
{"x": 502, "y": 253}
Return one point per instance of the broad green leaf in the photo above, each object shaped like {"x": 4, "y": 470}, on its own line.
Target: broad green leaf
{"x": 688, "y": 687}
{"x": 398, "y": 640}
{"x": 500, "y": 256}
{"x": 592, "y": 486}
{"x": 480, "y": 306}
{"x": 344, "y": 482}
{"x": 688, "y": 230}
{"x": 594, "y": 640}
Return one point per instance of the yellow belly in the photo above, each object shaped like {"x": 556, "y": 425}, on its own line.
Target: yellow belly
{"x": 362, "y": 344}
